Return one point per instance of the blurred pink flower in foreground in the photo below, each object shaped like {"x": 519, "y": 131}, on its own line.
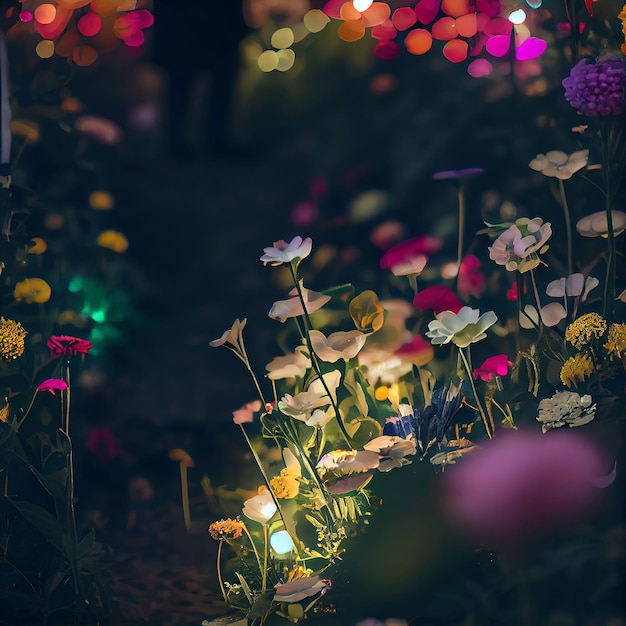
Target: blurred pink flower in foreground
{"x": 523, "y": 484}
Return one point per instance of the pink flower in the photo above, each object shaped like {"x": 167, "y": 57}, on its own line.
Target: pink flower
{"x": 64, "y": 345}
{"x": 523, "y": 484}
{"x": 246, "y": 412}
{"x": 471, "y": 281}
{"x": 52, "y": 384}
{"x": 438, "y": 298}
{"x": 410, "y": 257}
{"x": 494, "y": 365}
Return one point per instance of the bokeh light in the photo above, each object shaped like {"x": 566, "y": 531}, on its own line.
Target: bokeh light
{"x": 282, "y": 38}
{"x": 281, "y": 542}
{"x": 518, "y": 16}
{"x": 268, "y": 61}
{"x": 286, "y": 59}
{"x": 45, "y": 49}
{"x": 315, "y": 20}
{"x": 418, "y": 41}
{"x": 479, "y": 68}
{"x": 45, "y": 13}
{"x": 362, "y": 5}
{"x": 89, "y": 24}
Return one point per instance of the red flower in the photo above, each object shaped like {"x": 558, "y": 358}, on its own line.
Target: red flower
{"x": 438, "y": 298}
{"x": 64, "y": 345}
{"x": 494, "y": 365}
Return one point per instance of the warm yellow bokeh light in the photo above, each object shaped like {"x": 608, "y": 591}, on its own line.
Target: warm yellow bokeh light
{"x": 268, "y": 61}
{"x": 283, "y": 38}
{"x": 315, "y": 20}
{"x": 45, "y": 49}
{"x": 286, "y": 59}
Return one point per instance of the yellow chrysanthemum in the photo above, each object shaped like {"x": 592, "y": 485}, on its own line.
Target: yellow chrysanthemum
{"x": 226, "y": 529}
{"x": 286, "y": 484}
{"x": 616, "y": 341}
{"x": 32, "y": 290}
{"x": 12, "y": 335}
{"x": 113, "y": 240}
{"x": 576, "y": 369}
{"x": 584, "y": 329}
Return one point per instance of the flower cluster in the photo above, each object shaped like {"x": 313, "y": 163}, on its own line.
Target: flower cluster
{"x": 597, "y": 89}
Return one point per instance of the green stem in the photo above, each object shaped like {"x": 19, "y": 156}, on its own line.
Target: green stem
{"x": 264, "y": 581}
{"x": 313, "y": 356}
{"x": 459, "y": 252}
{"x": 568, "y": 227}
{"x": 220, "y": 580}
{"x": 256, "y": 552}
{"x": 468, "y": 368}
{"x": 609, "y": 282}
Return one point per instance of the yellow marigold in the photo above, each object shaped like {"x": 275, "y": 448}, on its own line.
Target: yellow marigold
{"x": 584, "y": 329}
{"x": 226, "y": 528}
{"x": 12, "y": 336}
{"x": 113, "y": 240}
{"x": 616, "y": 342}
{"x": 32, "y": 290}
{"x": 576, "y": 369}
{"x": 286, "y": 484}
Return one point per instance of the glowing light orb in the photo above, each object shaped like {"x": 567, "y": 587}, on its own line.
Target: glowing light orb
{"x": 282, "y": 38}
{"x": 315, "y": 20}
{"x": 517, "y": 17}
{"x": 268, "y": 61}
{"x": 286, "y": 59}
{"x": 418, "y": 41}
{"x": 281, "y": 542}
{"x": 45, "y": 13}
{"x": 45, "y": 49}
{"x": 362, "y": 5}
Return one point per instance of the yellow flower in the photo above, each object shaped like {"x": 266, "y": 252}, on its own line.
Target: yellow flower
{"x": 367, "y": 313}
{"x": 616, "y": 341}
{"x": 4, "y": 412}
{"x": 227, "y": 528}
{"x": 113, "y": 240}
{"x": 576, "y": 369}
{"x": 32, "y": 290}
{"x": 286, "y": 484}
{"x": 12, "y": 336}
{"x": 39, "y": 246}
{"x": 584, "y": 329}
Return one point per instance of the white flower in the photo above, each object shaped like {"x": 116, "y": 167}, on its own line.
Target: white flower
{"x": 574, "y": 285}
{"x": 320, "y": 418}
{"x": 518, "y": 246}
{"x": 339, "y": 345}
{"x": 342, "y": 462}
{"x": 558, "y": 164}
{"x": 302, "y": 404}
{"x": 596, "y": 225}
{"x": 551, "y": 315}
{"x": 565, "y": 408}
{"x": 396, "y": 449}
{"x": 284, "y": 309}
{"x": 231, "y": 336}
{"x": 462, "y": 328}
{"x": 260, "y": 508}
{"x": 299, "y": 589}
{"x": 283, "y": 252}
{"x": 292, "y": 365}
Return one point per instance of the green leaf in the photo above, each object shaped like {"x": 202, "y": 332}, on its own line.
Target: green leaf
{"x": 42, "y": 520}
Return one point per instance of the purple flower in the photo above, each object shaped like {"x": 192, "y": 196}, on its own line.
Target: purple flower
{"x": 597, "y": 89}
{"x": 522, "y": 484}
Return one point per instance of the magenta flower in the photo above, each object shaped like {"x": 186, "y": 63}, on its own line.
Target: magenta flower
{"x": 64, "y": 345}
{"x": 471, "y": 281}
{"x": 497, "y": 365}
{"x": 522, "y": 484}
{"x": 52, "y": 385}
{"x": 410, "y": 257}
{"x": 438, "y": 298}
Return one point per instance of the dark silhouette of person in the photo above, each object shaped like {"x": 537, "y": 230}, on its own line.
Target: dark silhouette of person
{"x": 191, "y": 39}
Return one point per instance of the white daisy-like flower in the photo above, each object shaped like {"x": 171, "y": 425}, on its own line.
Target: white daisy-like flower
{"x": 557, "y": 164}
{"x": 283, "y": 252}
{"x": 566, "y": 408}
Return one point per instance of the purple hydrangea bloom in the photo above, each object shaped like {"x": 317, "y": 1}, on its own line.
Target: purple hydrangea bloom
{"x": 596, "y": 89}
